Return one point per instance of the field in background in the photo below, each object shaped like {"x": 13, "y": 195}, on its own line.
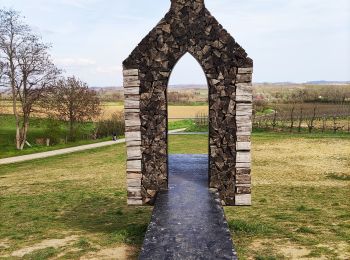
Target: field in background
{"x": 75, "y": 205}
{"x": 175, "y": 111}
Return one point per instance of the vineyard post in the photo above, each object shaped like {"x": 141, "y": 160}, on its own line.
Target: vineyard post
{"x": 300, "y": 119}
{"x": 292, "y": 119}
{"x": 310, "y": 122}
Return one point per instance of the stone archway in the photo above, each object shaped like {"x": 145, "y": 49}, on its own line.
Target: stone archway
{"x": 188, "y": 27}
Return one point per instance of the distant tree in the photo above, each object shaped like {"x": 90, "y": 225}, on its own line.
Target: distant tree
{"x": 1, "y": 105}
{"x": 27, "y": 69}
{"x": 2, "y": 68}
{"x": 274, "y": 118}
{"x": 324, "y": 123}
{"x": 311, "y": 120}
{"x": 300, "y": 119}
{"x": 292, "y": 118}
{"x": 72, "y": 101}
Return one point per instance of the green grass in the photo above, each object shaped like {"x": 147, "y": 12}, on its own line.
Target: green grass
{"x": 180, "y": 124}
{"x": 198, "y": 144}
{"x": 84, "y": 194}
{"x": 189, "y": 124}
{"x": 79, "y": 194}
{"x": 42, "y": 254}
{"x": 339, "y": 177}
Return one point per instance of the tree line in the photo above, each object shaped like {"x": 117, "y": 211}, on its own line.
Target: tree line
{"x": 27, "y": 70}
{"x": 310, "y": 116}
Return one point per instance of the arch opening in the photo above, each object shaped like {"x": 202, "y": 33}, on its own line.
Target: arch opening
{"x": 187, "y": 100}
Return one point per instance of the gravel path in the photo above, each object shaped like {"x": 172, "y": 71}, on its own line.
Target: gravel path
{"x": 34, "y": 156}
{"x": 188, "y": 221}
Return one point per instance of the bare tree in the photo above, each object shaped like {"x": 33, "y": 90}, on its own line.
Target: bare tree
{"x": 72, "y": 101}
{"x": 274, "y": 119}
{"x": 292, "y": 118}
{"x": 311, "y": 120}
{"x": 300, "y": 119}
{"x": 2, "y": 67}
{"x": 336, "y": 127}
{"x": 324, "y": 123}
{"x": 28, "y": 69}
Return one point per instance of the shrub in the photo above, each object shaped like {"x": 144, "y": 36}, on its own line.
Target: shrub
{"x": 107, "y": 127}
{"x": 53, "y": 131}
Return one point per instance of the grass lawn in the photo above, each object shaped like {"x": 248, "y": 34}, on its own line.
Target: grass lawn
{"x": 75, "y": 205}
{"x": 38, "y": 130}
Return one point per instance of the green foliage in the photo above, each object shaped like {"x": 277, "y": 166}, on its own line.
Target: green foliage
{"x": 306, "y": 230}
{"x": 172, "y": 125}
{"x": 113, "y": 125}
{"x": 40, "y": 129}
{"x": 250, "y": 228}
{"x": 53, "y": 131}
{"x": 303, "y": 208}
{"x": 191, "y": 125}
{"x": 339, "y": 177}
{"x": 41, "y": 254}
{"x": 83, "y": 243}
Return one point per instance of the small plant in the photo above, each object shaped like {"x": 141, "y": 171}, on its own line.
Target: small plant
{"x": 303, "y": 208}
{"x": 338, "y": 177}
{"x": 306, "y": 230}
{"x": 42, "y": 254}
{"x": 252, "y": 228}
{"x": 83, "y": 243}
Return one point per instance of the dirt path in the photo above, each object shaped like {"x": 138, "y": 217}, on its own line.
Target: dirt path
{"x": 34, "y": 156}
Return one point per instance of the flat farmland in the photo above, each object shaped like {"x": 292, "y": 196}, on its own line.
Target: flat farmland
{"x": 174, "y": 111}
{"x": 109, "y": 108}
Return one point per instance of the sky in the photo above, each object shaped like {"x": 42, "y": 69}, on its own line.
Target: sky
{"x": 289, "y": 40}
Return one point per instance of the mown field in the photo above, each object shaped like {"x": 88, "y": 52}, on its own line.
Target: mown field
{"x": 74, "y": 206}
{"x": 108, "y": 108}
{"x": 174, "y": 112}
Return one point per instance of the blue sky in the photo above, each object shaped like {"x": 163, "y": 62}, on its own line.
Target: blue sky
{"x": 289, "y": 40}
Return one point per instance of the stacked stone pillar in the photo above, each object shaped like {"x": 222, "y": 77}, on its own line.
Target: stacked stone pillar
{"x": 133, "y": 135}
{"x": 244, "y": 107}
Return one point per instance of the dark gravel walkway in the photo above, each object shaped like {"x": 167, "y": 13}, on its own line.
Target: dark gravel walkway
{"x": 187, "y": 221}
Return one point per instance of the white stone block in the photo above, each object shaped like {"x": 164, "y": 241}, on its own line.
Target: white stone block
{"x": 245, "y": 70}
{"x": 133, "y": 136}
{"x": 131, "y": 72}
{"x": 243, "y": 146}
{"x": 135, "y": 202}
{"x": 131, "y": 104}
{"x": 243, "y": 157}
{"x": 244, "y": 98}
{"x": 134, "y": 165}
{"x": 243, "y": 200}
{"x": 132, "y": 91}
{"x": 134, "y": 152}
{"x": 129, "y": 84}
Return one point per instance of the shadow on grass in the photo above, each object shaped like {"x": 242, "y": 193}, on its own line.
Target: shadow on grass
{"x": 110, "y": 216}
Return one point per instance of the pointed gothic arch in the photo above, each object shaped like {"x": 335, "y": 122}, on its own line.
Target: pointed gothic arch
{"x": 188, "y": 27}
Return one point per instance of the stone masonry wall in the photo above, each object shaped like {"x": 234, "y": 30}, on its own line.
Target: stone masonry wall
{"x": 188, "y": 27}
